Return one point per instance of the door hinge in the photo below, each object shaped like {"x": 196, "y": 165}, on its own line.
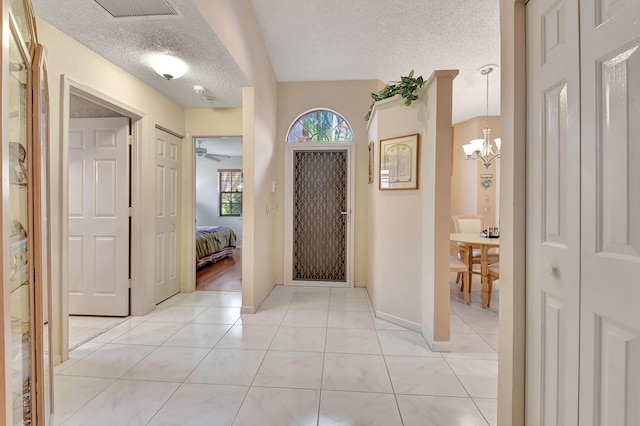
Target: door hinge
{"x": 129, "y": 282}
{"x": 129, "y": 140}
{"x": 130, "y": 211}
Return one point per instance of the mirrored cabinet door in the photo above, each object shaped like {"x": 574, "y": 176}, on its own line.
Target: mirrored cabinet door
{"x": 20, "y": 240}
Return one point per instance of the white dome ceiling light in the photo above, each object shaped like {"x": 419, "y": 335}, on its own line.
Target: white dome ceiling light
{"x": 168, "y": 66}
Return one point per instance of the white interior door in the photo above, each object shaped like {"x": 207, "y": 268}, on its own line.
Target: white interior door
{"x": 318, "y": 233}
{"x": 610, "y": 311}
{"x": 98, "y": 217}
{"x": 553, "y": 225}
{"x": 167, "y": 226}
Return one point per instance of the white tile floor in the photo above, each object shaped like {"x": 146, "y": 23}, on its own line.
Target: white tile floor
{"x": 85, "y": 328}
{"x": 310, "y": 356}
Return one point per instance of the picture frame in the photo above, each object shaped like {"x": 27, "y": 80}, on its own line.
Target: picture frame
{"x": 371, "y": 158}
{"x": 399, "y": 161}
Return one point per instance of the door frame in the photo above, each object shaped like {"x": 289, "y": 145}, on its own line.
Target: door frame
{"x": 513, "y": 121}
{"x": 188, "y": 272}
{"x": 138, "y": 291}
{"x": 288, "y": 209}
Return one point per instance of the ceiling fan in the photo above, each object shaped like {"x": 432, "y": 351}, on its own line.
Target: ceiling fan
{"x": 202, "y": 152}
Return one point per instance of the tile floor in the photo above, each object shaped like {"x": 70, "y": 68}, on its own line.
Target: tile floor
{"x": 310, "y": 356}
{"x": 83, "y": 328}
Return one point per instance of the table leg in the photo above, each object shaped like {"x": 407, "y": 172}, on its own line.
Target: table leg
{"x": 484, "y": 273}
{"x": 466, "y": 282}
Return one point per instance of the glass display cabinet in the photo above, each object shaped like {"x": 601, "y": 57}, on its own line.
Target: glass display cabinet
{"x": 27, "y": 375}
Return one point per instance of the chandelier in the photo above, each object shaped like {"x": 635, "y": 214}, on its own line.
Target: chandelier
{"x": 482, "y": 149}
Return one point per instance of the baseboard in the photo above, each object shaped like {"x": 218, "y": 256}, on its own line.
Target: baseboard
{"x": 435, "y": 346}
{"x": 248, "y": 310}
{"x": 279, "y": 282}
{"x": 441, "y": 346}
{"x": 399, "y": 321}
{"x": 360, "y": 284}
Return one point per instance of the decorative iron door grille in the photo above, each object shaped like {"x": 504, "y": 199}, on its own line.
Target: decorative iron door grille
{"x": 320, "y": 215}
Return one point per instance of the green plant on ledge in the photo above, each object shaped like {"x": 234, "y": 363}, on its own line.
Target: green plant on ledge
{"x": 406, "y": 87}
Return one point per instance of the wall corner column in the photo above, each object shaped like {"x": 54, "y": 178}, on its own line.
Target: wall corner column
{"x": 435, "y": 164}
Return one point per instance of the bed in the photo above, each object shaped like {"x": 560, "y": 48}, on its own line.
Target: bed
{"x": 213, "y": 243}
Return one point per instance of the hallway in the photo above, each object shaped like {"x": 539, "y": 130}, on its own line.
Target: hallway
{"x": 312, "y": 356}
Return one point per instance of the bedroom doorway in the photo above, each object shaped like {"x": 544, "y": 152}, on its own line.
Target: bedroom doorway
{"x": 110, "y": 178}
{"x": 218, "y": 213}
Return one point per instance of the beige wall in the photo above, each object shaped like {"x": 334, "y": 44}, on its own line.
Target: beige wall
{"x": 199, "y": 122}
{"x": 395, "y": 224}
{"x": 213, "y": 121}
{"x": 435, "y": 216}
{"x": 66, "y": 57}
{"x": 468, "y": 196}
{"x": 408, "y": 229}
{"x": 351, "y": 99}
{"x": 234, "y": 23}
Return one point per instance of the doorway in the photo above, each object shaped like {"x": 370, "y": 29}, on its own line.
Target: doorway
{"x": 218, "y": 213}
{"x": 318, "y": 230}
{"x": 82, "y": 102}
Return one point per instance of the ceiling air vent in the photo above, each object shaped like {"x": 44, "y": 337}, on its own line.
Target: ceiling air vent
{"x": 138, "y": 8}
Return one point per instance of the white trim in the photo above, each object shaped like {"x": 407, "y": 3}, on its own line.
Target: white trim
{"x": 288, "y": 209}
{"x": 248, "y": 310}
{"x": 434, "y": 345}
{"x": 138, "y": 292}
{"x": 410, "y": 325}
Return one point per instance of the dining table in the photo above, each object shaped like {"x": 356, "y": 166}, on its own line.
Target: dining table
{"x": 484, "y": 244}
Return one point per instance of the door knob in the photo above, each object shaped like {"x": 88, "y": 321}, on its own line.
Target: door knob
{"x": 551, "y": 270}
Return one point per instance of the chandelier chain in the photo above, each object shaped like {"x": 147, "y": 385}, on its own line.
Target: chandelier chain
{"x": 486, "y": 73}
{"x": 482, "y": 149}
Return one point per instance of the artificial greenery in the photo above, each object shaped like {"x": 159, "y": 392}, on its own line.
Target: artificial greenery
{"x": 406, "y": 87}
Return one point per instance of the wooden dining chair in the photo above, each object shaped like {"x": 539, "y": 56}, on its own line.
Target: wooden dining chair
{"x": 494, "y": 274}
{"x": 469, "y": 224}
{"x": 457, "y": 265}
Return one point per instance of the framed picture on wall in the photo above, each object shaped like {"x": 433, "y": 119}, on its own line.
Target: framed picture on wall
{"x": 399, "y": 162}
{"x": 371, "y": 149}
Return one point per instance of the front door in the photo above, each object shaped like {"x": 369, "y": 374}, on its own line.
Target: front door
{"x": 98, "y": 216}
{"x": 318, "y": 216}
{"x": 167, "y": 226}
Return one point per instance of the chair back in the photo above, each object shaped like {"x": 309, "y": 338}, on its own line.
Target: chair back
{"x": 467, "y": 224}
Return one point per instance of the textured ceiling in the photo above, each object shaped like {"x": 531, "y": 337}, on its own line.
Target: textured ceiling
{"x": 127, "y": 41}
{"x": 384, "y": 39}
{"x": 306, "y": 40}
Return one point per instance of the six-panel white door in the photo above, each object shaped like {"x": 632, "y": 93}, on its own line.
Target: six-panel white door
{"x": 167, "y": 209}
{"x": 553, "y": 224}
{"x": 583, "y": 198}
{"x": 610, "y": 287}
{"x": 98, "y": 217}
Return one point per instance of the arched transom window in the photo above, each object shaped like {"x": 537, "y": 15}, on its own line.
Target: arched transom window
{"x": 320, "y": 125}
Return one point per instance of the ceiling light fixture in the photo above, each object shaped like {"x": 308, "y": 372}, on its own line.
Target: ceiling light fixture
{"x": 482, "y": 149}
{"x": 168, "y": 66}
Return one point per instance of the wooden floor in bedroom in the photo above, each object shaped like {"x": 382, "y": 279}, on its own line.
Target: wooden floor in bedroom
{"x": 224, "y": 275}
